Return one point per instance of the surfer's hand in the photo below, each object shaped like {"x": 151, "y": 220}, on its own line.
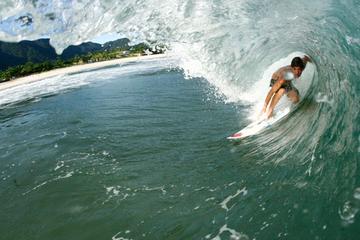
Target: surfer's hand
{"x": 306, "y": 59}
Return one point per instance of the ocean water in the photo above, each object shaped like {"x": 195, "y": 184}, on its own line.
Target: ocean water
{"x": 139, "y": 150}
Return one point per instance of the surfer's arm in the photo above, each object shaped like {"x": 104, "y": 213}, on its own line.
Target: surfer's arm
{"x": 271, "y": 92}
{"x": 306, "y": 59}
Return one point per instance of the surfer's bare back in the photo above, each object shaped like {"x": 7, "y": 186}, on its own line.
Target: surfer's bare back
{"x": 281, "y": 84}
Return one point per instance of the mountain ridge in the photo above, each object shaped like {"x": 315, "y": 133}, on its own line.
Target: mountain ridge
{"x": 12, "y": 54}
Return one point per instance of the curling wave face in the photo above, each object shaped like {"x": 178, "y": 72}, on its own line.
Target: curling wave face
{"x": 231, "y": 44}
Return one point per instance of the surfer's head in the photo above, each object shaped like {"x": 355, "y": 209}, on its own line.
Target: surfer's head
{"x": 297, "y": 66}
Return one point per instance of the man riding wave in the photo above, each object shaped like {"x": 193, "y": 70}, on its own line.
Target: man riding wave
{"x": 281, "y": 83}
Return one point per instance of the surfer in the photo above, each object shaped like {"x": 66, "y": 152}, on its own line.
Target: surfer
{"x": 281, "y": 84}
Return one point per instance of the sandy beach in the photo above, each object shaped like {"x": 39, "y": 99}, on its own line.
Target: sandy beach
{"x": 72, "y": 69}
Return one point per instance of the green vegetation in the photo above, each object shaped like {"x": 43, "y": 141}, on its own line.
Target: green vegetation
{"x": 31, "y": 68}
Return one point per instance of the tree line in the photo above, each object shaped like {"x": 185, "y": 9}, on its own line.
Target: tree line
{"x": 32, "y": 68}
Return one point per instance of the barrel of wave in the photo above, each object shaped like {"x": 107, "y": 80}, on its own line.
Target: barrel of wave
{"x": 258, "y": 92}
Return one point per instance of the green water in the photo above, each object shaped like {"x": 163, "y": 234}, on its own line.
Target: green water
{"x": 144, "y": 156}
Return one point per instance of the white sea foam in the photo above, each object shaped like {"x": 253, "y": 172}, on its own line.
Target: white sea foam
{"x": 352, "y": 40}
{"x": 323, "y": 98}
{"x": 234, "y": 235}
{"x": 161, "y": 188}
{"x": 36, "y": 187}
{"x": 117, "y": 237}
{"x": 357, "y": 193}
{"x": 348, "y": 212}
{"x": 229, "y": 198}
{"x": 59, "y": 165}
{"x": 67, "y": 175}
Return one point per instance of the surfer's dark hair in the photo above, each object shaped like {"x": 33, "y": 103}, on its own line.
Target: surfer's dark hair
{"x": 297, "y": 62}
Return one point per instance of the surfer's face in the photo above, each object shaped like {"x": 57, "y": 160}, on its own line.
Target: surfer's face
{"x": 297, "y": 71}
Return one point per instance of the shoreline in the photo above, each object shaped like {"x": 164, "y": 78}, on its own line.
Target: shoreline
{"x": 72, "y": 69}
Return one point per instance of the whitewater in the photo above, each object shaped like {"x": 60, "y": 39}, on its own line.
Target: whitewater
{"x": 142, "y": 146}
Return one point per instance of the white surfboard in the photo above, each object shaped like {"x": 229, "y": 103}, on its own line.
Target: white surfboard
{"x": 256, "y": 127}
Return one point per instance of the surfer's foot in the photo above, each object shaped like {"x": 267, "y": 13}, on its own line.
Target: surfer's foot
{"x": 269, "y": 115}
{"x": 262, "y": 117}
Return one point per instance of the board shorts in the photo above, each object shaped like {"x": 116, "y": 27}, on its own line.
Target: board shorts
{"x": 287, "y": 86}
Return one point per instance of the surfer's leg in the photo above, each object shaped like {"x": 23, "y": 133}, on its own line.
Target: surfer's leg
{"x": 275, "y": 99}
{"x": 294, "y": 95}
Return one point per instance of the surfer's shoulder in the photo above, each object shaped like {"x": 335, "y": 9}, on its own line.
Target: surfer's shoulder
{"x": 279, "y": 73}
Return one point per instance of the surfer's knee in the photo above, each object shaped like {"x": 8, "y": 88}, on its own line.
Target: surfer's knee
{"x": 296, "y": 99}
{"x": 294, "y": 96}
{"x": 281, "y": 91}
